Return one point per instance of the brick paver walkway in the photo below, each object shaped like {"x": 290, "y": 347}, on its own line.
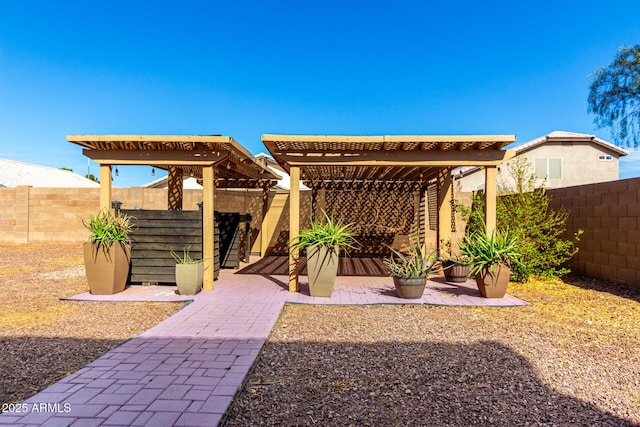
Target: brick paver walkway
{"x": 186, "y": 370}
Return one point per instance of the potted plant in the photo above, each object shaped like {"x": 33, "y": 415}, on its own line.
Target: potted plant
{"x": 410, "y": 271}
{"x": 107, "y": 254}
{"x": 189, "y": 272}
{"x": 492, "y": 256}
{"x": 456, "y": 266}
{"x": 323, "y": 242}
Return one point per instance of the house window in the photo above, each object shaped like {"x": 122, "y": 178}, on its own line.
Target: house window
{"x": 605, "y": 158}
{"x": 548, "y": 168}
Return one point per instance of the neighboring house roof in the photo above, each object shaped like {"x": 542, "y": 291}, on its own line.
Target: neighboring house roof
{"x": 555, "y": 136}
{"x": 189, "y": 183}
{"x": 558, "y": 136}
{"x": 14, "y": 173}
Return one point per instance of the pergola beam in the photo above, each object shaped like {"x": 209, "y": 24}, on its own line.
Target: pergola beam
{"x": 156, "y": 157}
{"x": 407, "y": 158}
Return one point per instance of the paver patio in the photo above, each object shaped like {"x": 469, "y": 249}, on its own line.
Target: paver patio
{"x": 186, "y": 370}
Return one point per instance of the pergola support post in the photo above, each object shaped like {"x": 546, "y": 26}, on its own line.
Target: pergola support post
{"x": 264, "y": 232}
{"x": 208, "y": 226}
{"x": 444, "y": 208}
{"x": 490, "y": 191}
{"x": 294, "y": 227}
{"x": 175, "y": 189}
{"x": 105, "y": 187}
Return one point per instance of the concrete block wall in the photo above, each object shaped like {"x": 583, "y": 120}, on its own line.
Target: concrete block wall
{"x": 40, "y": 215}
{"x": 609, "y": 215}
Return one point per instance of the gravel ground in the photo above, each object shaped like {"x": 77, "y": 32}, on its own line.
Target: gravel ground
{"x": 42, "y": 338}
{"x": 571, "y": 359}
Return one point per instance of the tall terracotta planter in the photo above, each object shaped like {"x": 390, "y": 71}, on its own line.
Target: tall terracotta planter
{"x": 322, "y": 269}
{"x": 107, "y": 269}
{"x": 493, "y": 286}
{"x": 189, "y": 278}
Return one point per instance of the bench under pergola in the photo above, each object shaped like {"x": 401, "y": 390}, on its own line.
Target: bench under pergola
{"x": 215, "y": 160}
{"x": 365, "y": 161}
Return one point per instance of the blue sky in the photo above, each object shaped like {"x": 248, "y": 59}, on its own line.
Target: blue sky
{"x": 244, "y": 68}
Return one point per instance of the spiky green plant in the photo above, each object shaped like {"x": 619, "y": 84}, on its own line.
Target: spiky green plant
{"x": 488, "y": 250}
{"x": 107, "y": 228}
{"x": 418, "y": 262}
{"x": 185, "y": 258}
{"x": 330, "y": 233}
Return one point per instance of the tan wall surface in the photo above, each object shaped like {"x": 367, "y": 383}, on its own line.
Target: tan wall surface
{"x": 40, "y": 215}
{"x": 609, "y": 214}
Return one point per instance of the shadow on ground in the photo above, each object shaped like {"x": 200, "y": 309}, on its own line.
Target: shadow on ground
{"x": 29, "y": 364}
{"x": 403, "y": 383}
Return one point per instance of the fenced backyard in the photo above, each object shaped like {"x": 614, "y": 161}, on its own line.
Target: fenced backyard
{"x": 608, "y": 213}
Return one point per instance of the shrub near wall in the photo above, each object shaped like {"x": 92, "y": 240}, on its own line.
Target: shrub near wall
{"x": 609, "y": 214}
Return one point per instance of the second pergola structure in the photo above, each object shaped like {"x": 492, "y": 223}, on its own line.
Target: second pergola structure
{"x": 380, "y": 160}
{"x": 216, "y": 160}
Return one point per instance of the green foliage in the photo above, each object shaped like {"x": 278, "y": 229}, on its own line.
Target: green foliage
{"x": 614, "y": 96}
{"x": 490, "y": 250}
{"x": 524, "y": 211}
{"x": 92, "y": 177}
{"x": 185, "y": 258}
{"x": 417, "y": 263}
{"x": 330, "y": 233}
{"x": 107, "y": 228}
{"x": 446, "y": 253}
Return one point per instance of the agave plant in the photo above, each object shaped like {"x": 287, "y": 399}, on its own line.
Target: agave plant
{"x": 329, "y": 233}
{"x": 107, "y": 228}
{"x": 490, "y": 250}
{"x": 418, "y": 262}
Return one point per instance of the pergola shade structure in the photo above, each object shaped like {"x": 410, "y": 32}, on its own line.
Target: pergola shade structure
{"x": 217, "y": 161}
{"x": 364, "y": 161}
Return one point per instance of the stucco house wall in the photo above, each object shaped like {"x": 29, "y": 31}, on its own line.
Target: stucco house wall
{"x": 583, "y": 159}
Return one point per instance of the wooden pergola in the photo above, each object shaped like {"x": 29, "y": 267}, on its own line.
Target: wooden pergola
{"x": 379, "y": 160}
{"x": 218, "y": 161}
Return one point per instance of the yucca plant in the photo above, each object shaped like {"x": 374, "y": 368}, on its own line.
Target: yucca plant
{"x": 490, "y": 250}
